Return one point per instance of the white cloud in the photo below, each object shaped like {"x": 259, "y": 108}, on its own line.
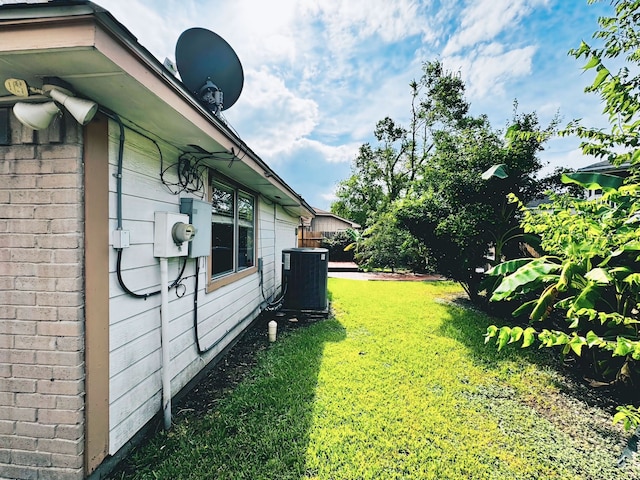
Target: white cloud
{"x": 489, "y": 68}
{"x": 351, "y": 21}
{"x": 269, "y": 115}
{"x": 330, "y": 153}
{"x": 483, "y": 20}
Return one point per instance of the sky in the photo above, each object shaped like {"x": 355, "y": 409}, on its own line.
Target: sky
{"x": 319, "y": 74}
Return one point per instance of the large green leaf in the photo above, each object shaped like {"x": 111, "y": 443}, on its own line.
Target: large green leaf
{"x": 600, "y": 77}
{"x": 499, "y": 171}
{"x": 545, "y": 303}
{"x": 593, "y": 62}
{"x": 530, "y": 272}
{"x": 594, "y": 181}
{"x": 508, "y": 267}
{"x": 599, "y": 275}
{"x": 586, "y": 299}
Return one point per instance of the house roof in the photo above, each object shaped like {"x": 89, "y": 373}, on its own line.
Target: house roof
{"x": 605, "y": 166}
{"x": 324, "y": 213}
{"x": 84, "y": 45}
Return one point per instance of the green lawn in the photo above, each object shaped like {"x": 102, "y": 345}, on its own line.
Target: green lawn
{"x": 398, "y": 385}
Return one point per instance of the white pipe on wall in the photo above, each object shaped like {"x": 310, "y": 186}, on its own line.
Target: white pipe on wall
{"x": 165, "y": 338}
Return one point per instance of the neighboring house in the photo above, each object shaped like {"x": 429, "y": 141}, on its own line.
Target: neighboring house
{"x": 607, "y": 168}
{"x": 323, "y": 225}
{"x": 83, "y": 304}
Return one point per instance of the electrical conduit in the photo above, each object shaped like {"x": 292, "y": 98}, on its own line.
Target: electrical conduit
{"x": 165, "y": 338}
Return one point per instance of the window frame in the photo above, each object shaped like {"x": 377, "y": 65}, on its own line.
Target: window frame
{"x": 237, "y": 273}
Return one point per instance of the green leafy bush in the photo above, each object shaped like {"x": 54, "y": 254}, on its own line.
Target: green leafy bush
{"x": 591, "y": 268}
{"x": 336, "y": 246}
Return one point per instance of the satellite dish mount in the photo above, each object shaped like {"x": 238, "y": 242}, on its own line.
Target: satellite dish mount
{"x": 212, "y": 96}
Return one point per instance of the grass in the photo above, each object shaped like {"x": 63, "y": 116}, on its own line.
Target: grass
{"x": 399, "y": 385}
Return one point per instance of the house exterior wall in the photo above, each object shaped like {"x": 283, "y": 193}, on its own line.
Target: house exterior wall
{"x": 328, "y": 225}
{"x": 135, "y": 365}
{"x": 41, "y": 302}
{"x": 45, "y": 419}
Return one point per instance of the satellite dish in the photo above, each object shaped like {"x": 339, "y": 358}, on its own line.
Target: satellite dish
{"x": 209, "y": 68}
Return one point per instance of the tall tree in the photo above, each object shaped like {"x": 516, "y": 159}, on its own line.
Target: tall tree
{"x": 458, "y": 215}
{"x": 383, "y": 173}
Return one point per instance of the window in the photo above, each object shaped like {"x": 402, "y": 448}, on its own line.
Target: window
{"x": 232, "y": 233}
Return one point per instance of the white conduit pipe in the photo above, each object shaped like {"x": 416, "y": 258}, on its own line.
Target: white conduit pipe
{"x": 164, "y": 338}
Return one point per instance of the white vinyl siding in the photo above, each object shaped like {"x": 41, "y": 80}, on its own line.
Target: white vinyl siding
{"x": 134, "y": 324}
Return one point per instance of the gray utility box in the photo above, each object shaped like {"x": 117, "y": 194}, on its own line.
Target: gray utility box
{"x": 304, "y": 277}
{"x": 200, "y": 217}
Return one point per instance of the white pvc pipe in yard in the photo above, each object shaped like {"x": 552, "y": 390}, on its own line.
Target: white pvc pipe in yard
{"x": 164, "y": 338}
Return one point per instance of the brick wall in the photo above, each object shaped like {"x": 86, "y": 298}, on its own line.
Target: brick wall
{"x": 41, "y": 302}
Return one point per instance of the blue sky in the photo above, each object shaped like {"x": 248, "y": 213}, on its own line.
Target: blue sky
{"x": 319, "y": 74}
